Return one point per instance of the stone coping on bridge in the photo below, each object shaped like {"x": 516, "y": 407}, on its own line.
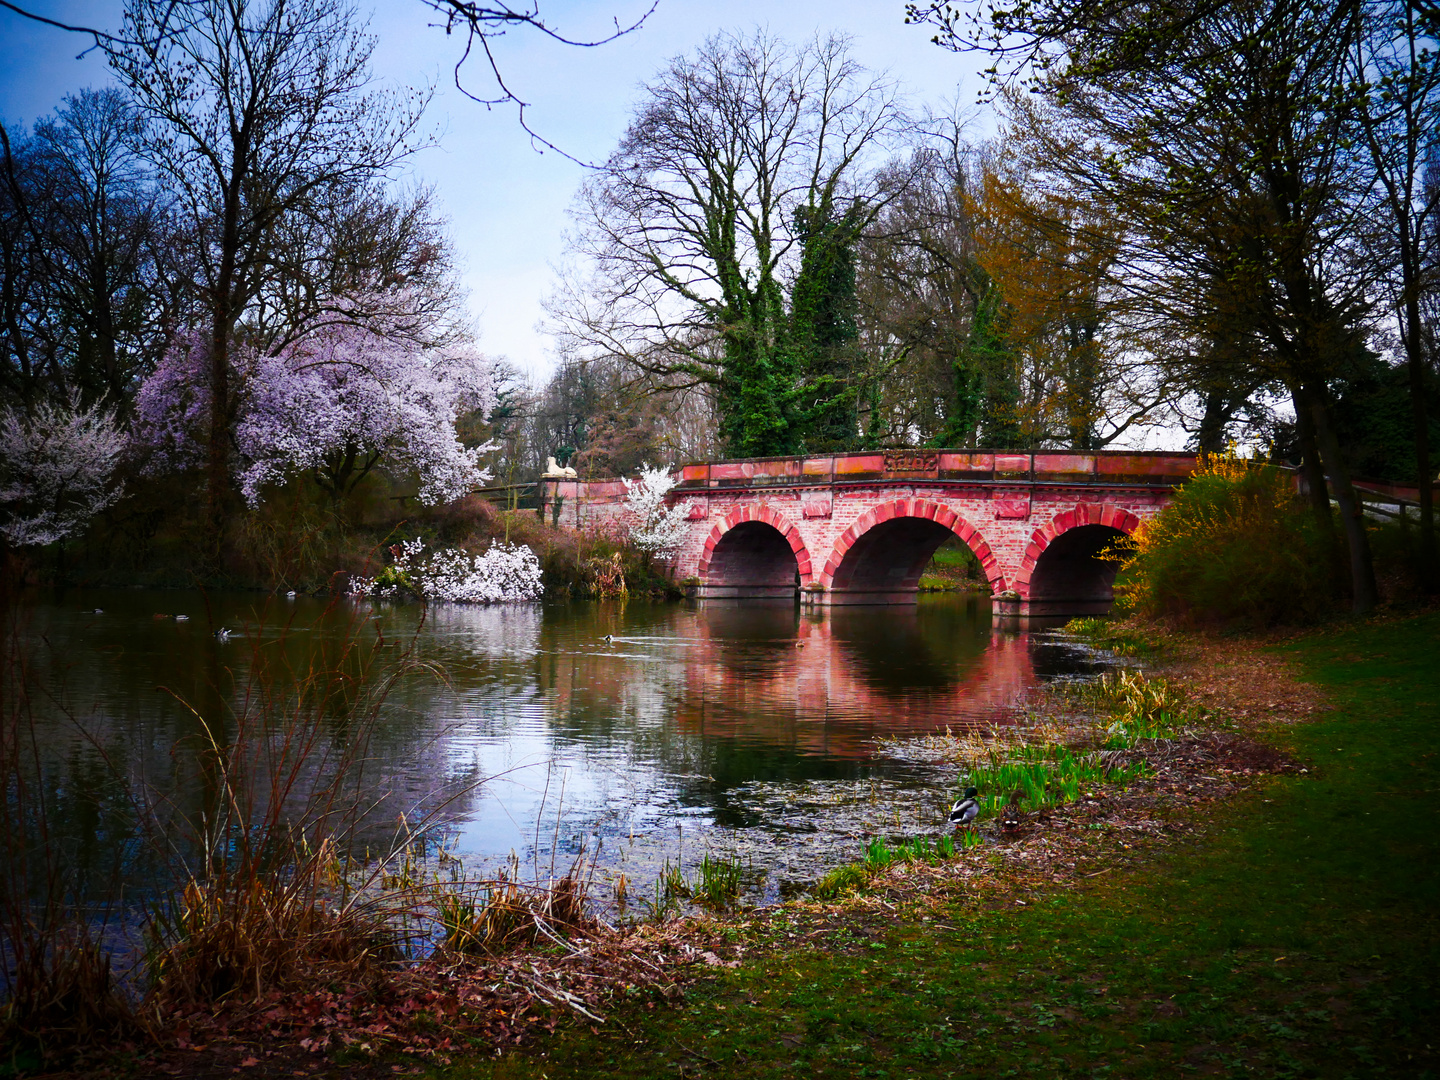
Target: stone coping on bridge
{"x": 976, "y": 466}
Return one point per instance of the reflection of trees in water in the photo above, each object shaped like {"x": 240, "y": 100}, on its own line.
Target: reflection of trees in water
{"x": 138, "y": 726}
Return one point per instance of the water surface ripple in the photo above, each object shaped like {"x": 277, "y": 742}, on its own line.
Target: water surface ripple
{"x": 656, "y": 731}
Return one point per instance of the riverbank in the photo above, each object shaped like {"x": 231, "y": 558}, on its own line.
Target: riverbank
{"x": 155, "y": 539}
{"x": 1261, "y": 903}
{"x": 1288, "y": 929}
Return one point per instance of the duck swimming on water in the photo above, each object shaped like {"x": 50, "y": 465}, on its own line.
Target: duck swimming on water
{"x": 967, "y": 809}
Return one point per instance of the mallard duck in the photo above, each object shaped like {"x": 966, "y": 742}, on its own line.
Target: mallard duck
{"x": 1010, "y": 814}
{"x": 222, "y": 634}
{"x": 608, "y": 638}
{"x": 967, "y": 809}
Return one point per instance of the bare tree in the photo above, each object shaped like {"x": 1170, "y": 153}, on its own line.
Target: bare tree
{"x": 1396, "y": 68}
{"x": 253, "y": 110}
{"x": 365, "y": 255}
{"x": 693, "y": 229}
{"x": 87, "y": 251}
{"x": 919, "y": 287}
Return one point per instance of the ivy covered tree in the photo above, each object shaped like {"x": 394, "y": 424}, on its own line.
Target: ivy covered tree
{"x": 713, "y": 247}
{"x": 824, "y": 329}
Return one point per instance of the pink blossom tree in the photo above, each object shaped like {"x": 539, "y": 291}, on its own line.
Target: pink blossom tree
{"x": 336, "y": 404}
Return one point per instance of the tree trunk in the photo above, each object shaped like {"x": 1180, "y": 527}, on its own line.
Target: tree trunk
{"x": 1419, "y": 402}
{"x": 1363, "y": 593}
{"x": 1314, "y": 474}
{"x": 1210, "y": 439}
{"x": 217, "y": 469}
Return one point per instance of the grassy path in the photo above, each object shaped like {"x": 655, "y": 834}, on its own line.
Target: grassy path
{"x": 1297, "y": 938}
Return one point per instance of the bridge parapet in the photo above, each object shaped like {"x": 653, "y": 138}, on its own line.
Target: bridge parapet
{"x": 966, "y": 466}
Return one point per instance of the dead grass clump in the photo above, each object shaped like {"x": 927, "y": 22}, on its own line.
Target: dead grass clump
{"x": 504, "y": 915}
{"x": 248, "y": 938}
{"x": 63, "y": 995}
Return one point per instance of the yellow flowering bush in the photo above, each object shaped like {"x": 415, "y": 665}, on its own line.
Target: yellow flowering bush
{"x": 1235, "y": 545}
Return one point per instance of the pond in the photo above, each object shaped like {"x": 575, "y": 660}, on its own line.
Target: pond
{"x": 636, "y": 733}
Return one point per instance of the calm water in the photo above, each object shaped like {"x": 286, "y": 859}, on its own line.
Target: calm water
{"x": 745, "y": 728}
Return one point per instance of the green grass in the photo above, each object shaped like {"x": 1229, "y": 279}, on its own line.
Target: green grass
{"x": 1296, "y": 938}
{"x": 855, "y": 877}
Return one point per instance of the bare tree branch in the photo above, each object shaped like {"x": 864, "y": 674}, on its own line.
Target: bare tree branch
{"x": 481, "y": 23}
{"x": 101, "y": 37}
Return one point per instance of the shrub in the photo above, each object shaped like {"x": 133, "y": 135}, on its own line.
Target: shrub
{"x": 842, "y": 881}
{"x": 1234, "y": 545}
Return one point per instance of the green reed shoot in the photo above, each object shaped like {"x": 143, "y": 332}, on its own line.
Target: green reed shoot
{"x": 1049, "y": 775}
{"x": 718, "y": 882}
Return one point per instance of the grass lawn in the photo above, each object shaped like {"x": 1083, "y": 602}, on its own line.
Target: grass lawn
{"x": 1296, "y": 936}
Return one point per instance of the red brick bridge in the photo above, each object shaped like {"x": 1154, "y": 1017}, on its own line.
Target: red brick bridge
{"x": 861, "y": 528}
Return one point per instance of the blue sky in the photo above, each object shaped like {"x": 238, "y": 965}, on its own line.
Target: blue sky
{"x": 506, "y": 202}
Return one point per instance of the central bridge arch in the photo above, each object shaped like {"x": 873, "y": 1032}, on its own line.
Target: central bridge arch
{"x": 879, "y": 559}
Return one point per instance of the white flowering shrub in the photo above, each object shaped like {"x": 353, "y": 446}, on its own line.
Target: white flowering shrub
{"x": 56, "y": 470}
{"x": 655, "y": 528}
{"x": 506, "y": 573}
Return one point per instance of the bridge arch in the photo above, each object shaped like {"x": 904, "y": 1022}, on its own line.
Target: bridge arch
{"x": 1062, "y": 568}
{"x": 755, "y": 551}
{"x": 880, "y": 557}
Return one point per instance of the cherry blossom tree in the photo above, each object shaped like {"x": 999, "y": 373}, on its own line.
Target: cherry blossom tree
{"x": 335, "y": 404}
{"x": 655, "y": 528}
{"x": 57, "y": 466}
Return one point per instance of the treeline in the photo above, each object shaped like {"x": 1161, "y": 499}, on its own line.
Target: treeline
{"x": 1224, "y": 219}
{"x": 217, "y": 293}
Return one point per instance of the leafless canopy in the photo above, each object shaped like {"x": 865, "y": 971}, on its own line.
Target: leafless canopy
{"x": 686, "y": 236}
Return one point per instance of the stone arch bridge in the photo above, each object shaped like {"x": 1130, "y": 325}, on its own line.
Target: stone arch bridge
{"x": 861, "y": 528}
